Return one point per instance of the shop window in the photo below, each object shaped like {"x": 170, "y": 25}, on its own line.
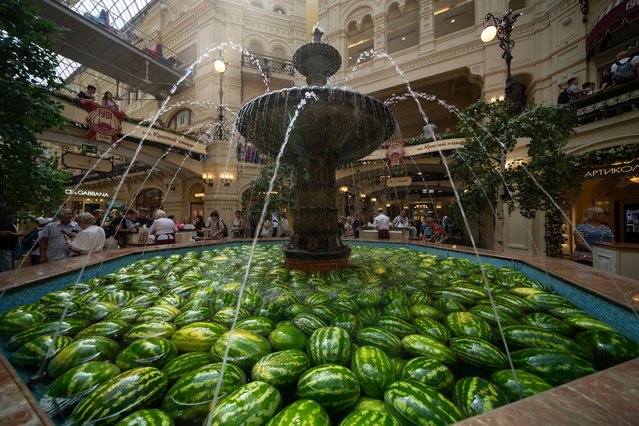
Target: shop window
{"x": 149, "y": 198}
{"x": 181, "y": 119}
{"x": 359, "y": 40}
{"x": 453, "y": 15}
{"x": 402, "y": 28}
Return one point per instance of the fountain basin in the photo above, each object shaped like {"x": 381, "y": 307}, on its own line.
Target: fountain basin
{"x": 604, "y": 310}
{"x": 335, "y": 122}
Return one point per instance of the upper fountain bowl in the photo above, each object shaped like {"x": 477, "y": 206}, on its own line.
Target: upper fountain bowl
{"x": 335, "y": 122}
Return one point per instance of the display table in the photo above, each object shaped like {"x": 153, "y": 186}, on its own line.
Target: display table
{"x": 617, "y": 258}
{"x": 395, "y": 234}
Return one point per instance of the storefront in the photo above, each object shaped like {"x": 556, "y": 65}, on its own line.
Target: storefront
{"x": 86, "y": 200}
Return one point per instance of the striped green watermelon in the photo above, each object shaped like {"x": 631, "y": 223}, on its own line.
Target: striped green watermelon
{"x": 447, "y": 306}
{"x": 329, "y": 345}
{"x": 373, "y": 370}
{"x": 398, "y": 310}
{"x": 287, "y": 336}
{"x": 244, "y": 348}
{"x": 94, "y": 348}
{"x": 479, "y": 353}
{"x": 430, "y": 372}
{"x": 144, "y": 300}
{"x": 335, "y": 387}
{"x": 190, "y": 399}
{"x": 345, "y": 305}
{"x": 40, "y": 349}
{"x": 564, "y": 312}
{"x": 414, "y": 403}
{"x": 111, "y": 328}
{"x": 524, "y": 336}
{"x": 325, "y": 313}
{"x": 546, "y": 322}
{"x": 253, "y": 404}
{"x": 82, "y": 378}
{"x": 226, "y": 315}
{"x": 377, "y": 336}
{"x": 147, "y": 417}
{"x": 433, "y": 328}
{"x": 150, "y": 329}
{"x": 422, "y": 310}
{"x": 419, "y": 345}
{"x": 448, "y": 293}
{"x": 522, "y": 304}
{"x": 588, "y": 323}
{"x": 120, "y": 396}
{"x": 555, "y": 367}
{"x": 474, "y": 395}
{"x": 257, "y": 325}
{"x": 151, "y": 352}
{"x": 548, "y": 301}
{"x": 608, "y": 348}
{"x": 368, "y": 316}
{"x": 14, "y": 322}
{"x": 67, "y": 327}
{"x": 395, "y": 325}
{"x": 368, "y": 418}
{"x": 281, "y": 368}
{"x": 192, "y": 314}
{"x": 368, "y": 299}
{"x": 197, "y": 336}
{"x": 521, "y": 384}
{"x": 174, "y": 300}
{"x": 348, "y": 322}
{"x": 490, "y": 315}
{"x": 466, "y": 324}
{"x": 308, "y": 323}
{"x": 183, "y": 364}
{"x": 303, "y": 412}
{"x": 158, "y": 313}
{"x": 127, "y": 313}
{"x": 367, "y": 403}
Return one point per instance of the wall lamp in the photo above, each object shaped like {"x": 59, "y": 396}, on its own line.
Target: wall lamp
{"x": 207, "y": 178}
{"x": 226, "y": 179}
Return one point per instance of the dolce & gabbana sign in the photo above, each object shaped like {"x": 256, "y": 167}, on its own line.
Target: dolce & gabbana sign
{"x": 85, "y": 193}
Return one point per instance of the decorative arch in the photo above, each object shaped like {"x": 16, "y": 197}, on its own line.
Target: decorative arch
{"x": 402, "y": 25}
{"x": 256, "y": 47}
{"x": 280, "y": 52}
{"x": 181, "y": 118}
{"x": 359, "y": 39}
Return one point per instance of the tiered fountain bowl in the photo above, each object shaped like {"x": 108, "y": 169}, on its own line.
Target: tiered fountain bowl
{"x": 333, "y": 126}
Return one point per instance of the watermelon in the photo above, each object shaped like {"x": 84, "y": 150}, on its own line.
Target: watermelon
{"x": 303, "y": 412}
{"x": 369, "y": 417}
{"x": 111, "y": 328}
{"x": 329, "y": 345}
{"x": 183, "y": 364}
{"x": 67, "y": 327}
{"x": 40, "y": 349}
{"x": 521, "y": 384}
{"x": 197, "y": 336}
{"x": 16, "y": 321}
{"x": 81, "y": 379}
{"x": 323, "y": 312}
{"x": 158, "y": 313}
{"x": 367, "y": 403}
{"x": 192, "y": 314}
{"x": 479, "y": 353}
{"x": 147, "y": 417}
{"x": 432, "y": 328}
{"x": 94, "y": 348}
{"x": 467, "y": 324}
{"x": 448, "y": 305}
{"x": 151, "y": 352}
{"x": 474, "y": 395}
{"x": 308, "y": 323}
{"x": 548, "y": 301}
{"x": 368, "y": 316}
{"x": 244, "y": 348}
{"x": 189, "y": 400}
{"x": 281, "y": 368}
{"x": 419, "y": 345}
{"x": 227, "y": 314}
{"x": 253, "y": 404}
{"x": 376, "y": 336}
{"x": 373, "y": 370}
{"x": 395, "y": 325}
{"x": 398, "y": 310}
{"x": 348, "y": 322}
{"x": 120, "y": 396}
{"x": 127, "y": 313}
{"x": 422, "y": 310}
{"x": 588, "y": 323}
{"x": 491, "y": 316}
{"x": 150, "y": 329}
{"x": 335, "y": 387}
{"x": 555, "y": 367}
{"x": 546, "y": 322}
{"x": 530, "y": 337}
{"x": 287, "y": 336}
{"x": 430, "y": 372}
{"x": 414, "y": 403}
{"x": 608, "y": 348}
{"x": 257, "y": 325}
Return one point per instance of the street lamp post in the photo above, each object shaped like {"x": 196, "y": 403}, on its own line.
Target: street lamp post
{"x": 220, "y": 67}
{"x": 502, "y": 27}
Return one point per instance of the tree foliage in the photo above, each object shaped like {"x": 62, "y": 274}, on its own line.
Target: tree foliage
{"x": 540, "y": 182}
{"x": 32, "y": 181}
{"x": 283, "y": 193}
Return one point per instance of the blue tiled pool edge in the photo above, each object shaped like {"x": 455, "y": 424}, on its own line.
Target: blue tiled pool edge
{"x": 621, "y": 318}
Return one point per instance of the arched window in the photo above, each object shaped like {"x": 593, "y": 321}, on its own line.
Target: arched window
{"x": 402, "y": 28}
{"x": 359, "y": 40}
{"x": 181, "y": 119}
{"x": 149, "y": 198}
{"x": 256, "y": 48}
{"x": 279, "y": 9}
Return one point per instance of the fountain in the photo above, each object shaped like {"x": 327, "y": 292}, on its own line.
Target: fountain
{"x": 338, "y": 127}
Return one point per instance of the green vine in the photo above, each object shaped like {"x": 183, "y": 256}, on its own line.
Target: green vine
{"x": 613, "y": 155}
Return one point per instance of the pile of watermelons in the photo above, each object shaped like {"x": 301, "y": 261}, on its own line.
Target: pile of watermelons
{"x": 400, "y": 337}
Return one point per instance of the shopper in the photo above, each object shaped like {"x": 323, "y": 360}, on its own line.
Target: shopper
{"x": 91, "y": 238}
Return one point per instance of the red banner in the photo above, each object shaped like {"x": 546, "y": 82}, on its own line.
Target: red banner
{"x": 104, "y": 123}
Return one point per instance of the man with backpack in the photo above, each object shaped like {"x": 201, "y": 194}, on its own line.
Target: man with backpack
{"x": 625, "y": 68}
{"x": 31, "y": 241}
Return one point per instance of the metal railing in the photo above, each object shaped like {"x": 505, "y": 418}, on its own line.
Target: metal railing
{"x": 608, "y": 103}
{"x": 268, "y": 64}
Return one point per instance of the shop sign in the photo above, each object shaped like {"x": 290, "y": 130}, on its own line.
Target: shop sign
{"x": 89, "y": 149}
{"x": 84, "y": 162}
{"x": 104, "y": 124}
{"x": 85, "y": 193}
{"x": 613, "y": 171}
{"x": 399, "y": 181}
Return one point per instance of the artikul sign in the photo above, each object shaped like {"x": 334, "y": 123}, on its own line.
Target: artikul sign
{"x": 615, "y": 170}
{"x": 85, "y": 193}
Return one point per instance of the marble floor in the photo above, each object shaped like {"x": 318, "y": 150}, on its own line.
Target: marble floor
{"x": 608, "y": 397}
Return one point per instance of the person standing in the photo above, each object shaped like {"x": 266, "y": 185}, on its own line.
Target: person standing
{"x": 382, "y": 224}
{"x": 401, "y": 221}
{"x": 53, "y": 245}
{"x": 215, "y": 226}
{"x": 109, "y": 103}
{"x": 8, "y": 239}
{"x": 625, "y": 68}
{"x": 592, "y": 230}
{"x": 274, "y": 224}
{"x": 163, "y": 228}
{"x": 31, "y": 242}
{"x": 284, "y": 225}
{"x": 89, "y": 93}
{"x": 239, "y": 225}
{"x": 356, "y": 224}
{"x": 143, "y": 220}
{"x": 91, "y": 238}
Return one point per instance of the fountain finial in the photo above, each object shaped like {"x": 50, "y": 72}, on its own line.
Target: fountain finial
{"x": 317, "y": 34}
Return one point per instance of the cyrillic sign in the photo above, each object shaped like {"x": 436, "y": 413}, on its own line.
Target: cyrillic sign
{"x": 399, "y": 181}
{"x": 613, "y": 170}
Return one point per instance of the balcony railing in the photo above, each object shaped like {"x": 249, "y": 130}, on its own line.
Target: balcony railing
{"x": 608, "y": 103}
{"x": 268, "y": 64}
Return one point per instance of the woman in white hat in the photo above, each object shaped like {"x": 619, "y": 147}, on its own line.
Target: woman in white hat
{"x": 163, "y": 228}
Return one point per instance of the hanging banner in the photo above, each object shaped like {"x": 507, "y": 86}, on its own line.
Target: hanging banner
{"x": 84, "y": 162}
{"x": 104, "y": 124}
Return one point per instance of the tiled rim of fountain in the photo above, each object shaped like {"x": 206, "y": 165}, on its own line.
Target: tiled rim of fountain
{"x": 606, "y": 397}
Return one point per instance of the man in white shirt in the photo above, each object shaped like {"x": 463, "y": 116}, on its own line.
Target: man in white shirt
{"x": 401, "y": 221}
{"x": 382, "y": 224}
{"x": 53, "y": 244}
{"x": 90, "y": 240}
